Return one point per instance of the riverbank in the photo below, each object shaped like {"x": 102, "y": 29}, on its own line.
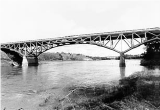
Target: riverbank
{"x": 137, "y": 91}
{"x": 152, "y": 62}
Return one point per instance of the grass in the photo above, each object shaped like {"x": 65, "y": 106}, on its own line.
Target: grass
{"x": 136, "y": 92}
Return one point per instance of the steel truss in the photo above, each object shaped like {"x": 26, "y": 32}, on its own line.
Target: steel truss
{"x": 119, "y": 41}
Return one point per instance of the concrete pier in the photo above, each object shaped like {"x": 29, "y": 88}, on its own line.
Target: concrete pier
{"x": 24, "y": 61}
{"x": 32, "y": 61}
{"x": 122, "y": 60}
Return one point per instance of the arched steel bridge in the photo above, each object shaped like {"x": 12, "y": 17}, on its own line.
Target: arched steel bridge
{"x": 111, "y": 40}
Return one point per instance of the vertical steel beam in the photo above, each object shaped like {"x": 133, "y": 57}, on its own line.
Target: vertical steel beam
{"x": 145, "y": 36}
{"x": 121, "y": 43}
{"x": 36, "y": 49}
{"x": 132, "y": 40}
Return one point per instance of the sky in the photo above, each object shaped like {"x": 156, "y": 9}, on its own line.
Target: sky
{"x": 22, "y": 20}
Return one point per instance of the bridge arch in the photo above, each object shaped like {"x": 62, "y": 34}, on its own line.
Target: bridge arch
{"x": 14, "y": 55}
{"x": 89, "y": 43}
{"x": 147, "y": 41}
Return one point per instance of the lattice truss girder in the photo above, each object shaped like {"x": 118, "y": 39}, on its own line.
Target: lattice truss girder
{"x": 118, "y": 42}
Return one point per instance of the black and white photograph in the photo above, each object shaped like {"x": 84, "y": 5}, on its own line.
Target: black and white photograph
{"x": 80, "y": 54}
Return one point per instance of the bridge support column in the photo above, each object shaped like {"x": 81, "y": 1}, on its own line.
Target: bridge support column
{"x": 122, "y": 60}
{"x": 32, "y": 61}
{"x": 24, "y": 61}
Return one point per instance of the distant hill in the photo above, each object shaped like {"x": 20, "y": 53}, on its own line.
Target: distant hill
{"x": 63, "y": 56}
{"x": 70, "y": 56}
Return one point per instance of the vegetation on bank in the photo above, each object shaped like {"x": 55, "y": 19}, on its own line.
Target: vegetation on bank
{"x": 63, "y": 56}
{"x": 70, "y": 56}
{"x": 152, "y": 55}
{"x": 137, "y": 92}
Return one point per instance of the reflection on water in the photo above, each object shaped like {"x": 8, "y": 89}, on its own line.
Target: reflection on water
{"x": 122, "y": 71}
{"x": 24, "y": 72}
{"x": 29, "y": 72}
{"x": 59, "y": 75}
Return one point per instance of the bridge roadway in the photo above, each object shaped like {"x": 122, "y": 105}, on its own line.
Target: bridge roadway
{"x": 28, "y": 51}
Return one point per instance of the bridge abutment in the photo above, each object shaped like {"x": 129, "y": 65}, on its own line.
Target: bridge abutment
{"x": 32, "y": 61}
{"x": 122, "y": 60}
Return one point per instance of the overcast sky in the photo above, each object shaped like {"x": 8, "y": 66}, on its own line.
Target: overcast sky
{"x": 39, "y": 19}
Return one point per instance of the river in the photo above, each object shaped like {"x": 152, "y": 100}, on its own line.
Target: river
{"x": 27, "y": 87}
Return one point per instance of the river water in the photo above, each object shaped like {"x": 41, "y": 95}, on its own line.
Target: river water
{"x": 27, "y": 87}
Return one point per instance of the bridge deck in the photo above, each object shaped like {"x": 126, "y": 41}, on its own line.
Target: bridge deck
{"x": 127, "y": 33}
